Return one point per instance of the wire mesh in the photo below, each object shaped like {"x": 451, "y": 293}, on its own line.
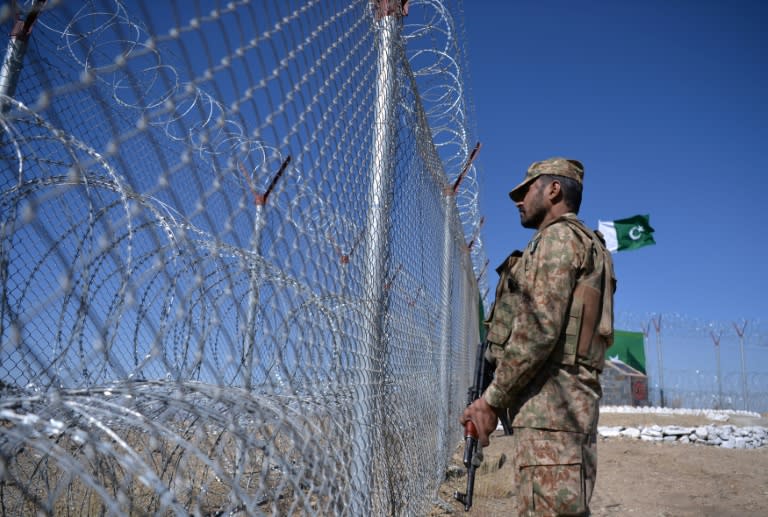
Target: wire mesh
{"x": 703, "y": 364}
{"x": 234, "y": 276}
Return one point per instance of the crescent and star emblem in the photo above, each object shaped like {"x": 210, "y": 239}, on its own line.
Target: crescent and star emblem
{"x": 636, "y": 232}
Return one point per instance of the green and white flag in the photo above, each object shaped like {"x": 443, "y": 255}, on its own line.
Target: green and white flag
{"x": 627, "y": 234}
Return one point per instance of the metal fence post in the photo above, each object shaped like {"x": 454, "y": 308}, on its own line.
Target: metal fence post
{"x": 740, "y": 332}
{"x": 367, "y": 408}
{"x": 14, "y": 53}
{"x": 657, "y": 326}
{"x": 716, "y": 341}
{"x": 254, "y": 274}
{"x": 445, "y": 334}
{"x": 446, "y": 295}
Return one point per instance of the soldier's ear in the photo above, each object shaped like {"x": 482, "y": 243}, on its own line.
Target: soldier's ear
{"x": 554, "y": 191}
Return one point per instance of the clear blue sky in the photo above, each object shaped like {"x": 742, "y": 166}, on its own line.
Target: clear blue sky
{"x": 666, "y": 104}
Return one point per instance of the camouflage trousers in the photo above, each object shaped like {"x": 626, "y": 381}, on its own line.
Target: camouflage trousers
{"x": 555, "y": 472}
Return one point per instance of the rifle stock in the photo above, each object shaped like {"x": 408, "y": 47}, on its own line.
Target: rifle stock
{"x": 473, "y": 451}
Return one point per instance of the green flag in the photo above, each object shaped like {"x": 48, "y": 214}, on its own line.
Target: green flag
{"x": 627, "y": 234}
{"x": 629, "y": 348}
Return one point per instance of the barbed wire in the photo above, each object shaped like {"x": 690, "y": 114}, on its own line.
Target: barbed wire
{"x": 188, "y": 324}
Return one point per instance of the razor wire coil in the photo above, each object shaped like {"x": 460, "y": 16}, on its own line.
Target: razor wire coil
{"x": 191, "y": 324}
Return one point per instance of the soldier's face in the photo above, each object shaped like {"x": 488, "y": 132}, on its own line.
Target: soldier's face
{"x": 532, "y": 207}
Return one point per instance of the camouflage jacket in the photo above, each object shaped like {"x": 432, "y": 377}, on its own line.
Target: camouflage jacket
{"x": 529, "y": 323}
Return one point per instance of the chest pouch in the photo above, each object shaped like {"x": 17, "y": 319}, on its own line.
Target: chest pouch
{"x": 589, "y": 328}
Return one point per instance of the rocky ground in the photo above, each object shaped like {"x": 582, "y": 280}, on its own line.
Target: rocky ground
{"x": 638, "y": 477}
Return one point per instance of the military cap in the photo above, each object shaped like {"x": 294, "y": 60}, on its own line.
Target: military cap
{"x": 555, "y": 166}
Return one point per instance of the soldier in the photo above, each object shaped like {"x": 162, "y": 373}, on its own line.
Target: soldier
{"x": 548, "y": 330}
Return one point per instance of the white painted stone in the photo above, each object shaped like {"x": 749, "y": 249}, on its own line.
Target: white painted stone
{"x": 653, "y": 430}
{"x": 728, "y": 435}
{"x": 734, "y": 443}
{"x": 674, "y": 430}
{"x": 609, "y": 432}
{"x": 725, "y": 431}
{"x": 631, "y": 432}
{"x": 702, "y": 432}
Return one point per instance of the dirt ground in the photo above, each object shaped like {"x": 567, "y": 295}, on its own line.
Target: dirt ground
{"x": 635, "y": 477}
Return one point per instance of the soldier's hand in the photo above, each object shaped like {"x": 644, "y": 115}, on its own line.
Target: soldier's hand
{"x": 483, "y": 416}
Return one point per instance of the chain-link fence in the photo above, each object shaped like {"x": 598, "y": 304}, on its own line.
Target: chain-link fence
{"x": 235, "y": 276}
{"x": 703, "y": 364}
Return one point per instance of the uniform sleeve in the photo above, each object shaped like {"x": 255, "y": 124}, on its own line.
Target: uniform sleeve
{"x": 545, "y": 281}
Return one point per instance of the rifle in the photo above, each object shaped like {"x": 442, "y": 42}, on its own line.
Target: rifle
{"x": 473, "y": 451}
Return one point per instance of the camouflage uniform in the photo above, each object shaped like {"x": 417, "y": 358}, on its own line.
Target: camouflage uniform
{"x": 548, "y": 330}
